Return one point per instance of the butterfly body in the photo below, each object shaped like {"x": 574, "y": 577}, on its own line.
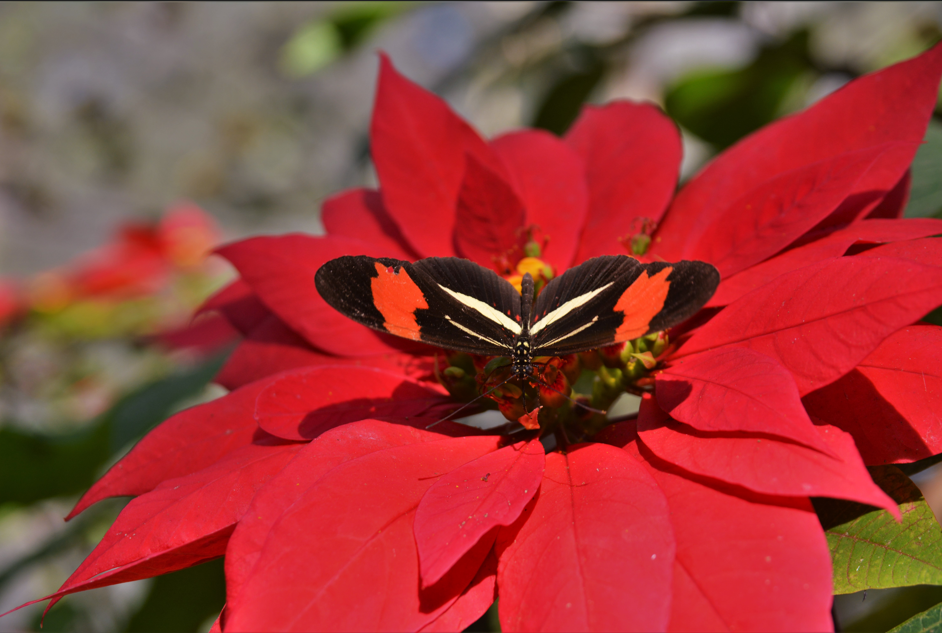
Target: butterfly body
{"x": 522, "y": 355}
{"x": 456, "y": 304}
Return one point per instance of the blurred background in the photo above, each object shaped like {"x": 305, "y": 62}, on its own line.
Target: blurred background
{"x": 134, "y": 137}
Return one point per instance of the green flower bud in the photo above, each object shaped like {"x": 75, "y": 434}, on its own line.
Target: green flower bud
{"x": 497, "y": 363}
{"x": 647, "y": 360}
{"x": 640, "y": 244}
{"x": 455, "y": 373}
{"x": 660, "y": 344}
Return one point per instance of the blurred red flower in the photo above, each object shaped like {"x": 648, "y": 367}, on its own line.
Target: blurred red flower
{"x": 335, "y": 509}
{"x": 11, "y": 301}
{"x": 146, "y": 279}
{"x": 137, "y": 262}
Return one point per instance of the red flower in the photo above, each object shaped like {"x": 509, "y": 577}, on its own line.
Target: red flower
{"x": 335, "y": 509}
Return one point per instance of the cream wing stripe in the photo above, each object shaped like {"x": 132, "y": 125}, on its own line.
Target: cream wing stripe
{"x": 566, "y": 308}
{"x": 473, "y": 333}
{"x": 484, "y": 310}
{"x": 573, "y": 333}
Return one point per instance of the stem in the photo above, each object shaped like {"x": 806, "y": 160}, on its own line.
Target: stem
{"x": 562, "y": 442}
{"x": 623, "y": 418}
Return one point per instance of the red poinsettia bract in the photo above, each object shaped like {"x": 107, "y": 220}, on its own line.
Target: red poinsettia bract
{"x": 336, "y": 509}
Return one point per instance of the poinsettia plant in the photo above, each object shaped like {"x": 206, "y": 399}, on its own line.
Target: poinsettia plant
{"x": 337, "y": 508}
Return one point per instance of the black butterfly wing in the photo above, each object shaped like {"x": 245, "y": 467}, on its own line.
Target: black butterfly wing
{"x": 444, "y": 301}
{"x": 616, "y": 298}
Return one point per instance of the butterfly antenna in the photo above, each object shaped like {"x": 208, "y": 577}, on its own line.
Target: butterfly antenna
{"x": 466, "y": 405}
{"x": 575, "y": 402}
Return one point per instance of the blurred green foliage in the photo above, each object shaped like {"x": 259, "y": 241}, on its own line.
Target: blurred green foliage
{"x": 489, "y": 622}
{"x": 568, "y": 94}
{"x": 312, "y": 47}
{"x": 925, "y": 197}
{"x": 73, "y": 534}
{"x": 63, "y": 616}
{"x": 320, "y": 41}
{"x": 721, "y": 105}
{"x": 36, "y": 466}
{"x": 182, "y": 600}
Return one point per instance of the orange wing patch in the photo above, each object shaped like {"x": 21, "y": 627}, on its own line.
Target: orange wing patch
{"x": 640, "y": 303}
{"x": 397, "y": 298}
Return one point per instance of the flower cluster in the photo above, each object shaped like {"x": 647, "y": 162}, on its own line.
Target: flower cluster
{"x": 336, "y": 509}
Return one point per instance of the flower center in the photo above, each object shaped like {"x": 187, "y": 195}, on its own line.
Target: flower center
{"x": 638, "y": 242}
{"x": 567, "y": 394}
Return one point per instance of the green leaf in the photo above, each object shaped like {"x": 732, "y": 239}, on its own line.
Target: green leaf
{"x": 869, "y": 549}
{"x": 924, "y": 622}
{"x": 925, "y": 196}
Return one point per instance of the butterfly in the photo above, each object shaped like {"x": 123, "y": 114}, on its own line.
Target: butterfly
{"x": 458, "y": 305}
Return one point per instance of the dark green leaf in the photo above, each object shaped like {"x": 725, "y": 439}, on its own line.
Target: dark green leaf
{"x": 487, "y": 623}
{"x": 925, "y": 197}
{"x": 34, "y": 466}
{"x": 354, "y": 21}
{"x": 869, "y": 549}
{"x": 64, "y": 616}
{"x": 182, "y": 600}
{"x": 562, "y": 103}
{"x": 925, "y": 622}
{"x": 934, "y": 317}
